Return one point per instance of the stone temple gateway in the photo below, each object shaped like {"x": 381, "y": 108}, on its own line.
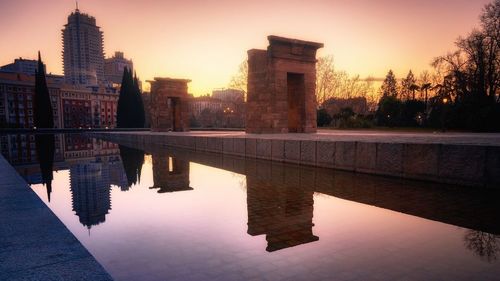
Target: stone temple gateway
{"x": 169, "y": 105}
{"x": 281, "y": 87}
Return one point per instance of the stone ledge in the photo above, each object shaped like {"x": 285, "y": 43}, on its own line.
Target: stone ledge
{"x": 36, "y": 245}
{"x": 464, "y": 164}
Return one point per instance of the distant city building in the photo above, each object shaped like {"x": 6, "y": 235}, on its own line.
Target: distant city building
{"x": 90, "y": 107}
{"x": 225, "y": 108}
{"x": 228, "y": 95}
{"x": 17, "y": 92}
{"x": 113, "y": 67}
{"x": 73, "y": 106}
{"x": 83, "y": 50}
{"x": 199, "y": 104}
{"x": 21, "y": 65}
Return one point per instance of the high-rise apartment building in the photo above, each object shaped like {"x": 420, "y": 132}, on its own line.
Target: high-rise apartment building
{"x": 83, "y": 50}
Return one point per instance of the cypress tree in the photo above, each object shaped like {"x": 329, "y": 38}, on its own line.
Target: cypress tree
{"x": 130, "y": 111}
{"x": 123, "y": 107}
{"x": 141, "y": 118}
{"x": 43, "y": 115}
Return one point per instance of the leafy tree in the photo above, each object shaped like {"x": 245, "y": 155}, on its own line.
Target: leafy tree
{"x": 332, "y": 83}
{"x": 389, "y": 87}
{"x": 43, "y": 115}
{"x": 239, "y": 80}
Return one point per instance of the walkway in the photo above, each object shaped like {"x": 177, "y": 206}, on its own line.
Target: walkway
{"x": 34, "y": 243}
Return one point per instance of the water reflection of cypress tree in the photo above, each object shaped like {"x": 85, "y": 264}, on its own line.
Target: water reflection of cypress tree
{"x": 45, "y": 148}
{"x": 132, "y": 160}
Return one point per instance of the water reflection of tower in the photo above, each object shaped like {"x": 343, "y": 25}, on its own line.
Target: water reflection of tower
{"x": 280, "y": 210}
{"x": 90, "y": 189}
{"x": 170, "y": 174}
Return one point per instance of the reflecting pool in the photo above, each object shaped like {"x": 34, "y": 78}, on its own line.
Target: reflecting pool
{"x": 149, "y": 213}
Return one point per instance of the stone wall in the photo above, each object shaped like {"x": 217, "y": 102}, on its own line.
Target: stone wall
{"x": 464, "y": 164}
{"x": 281, "y": 87}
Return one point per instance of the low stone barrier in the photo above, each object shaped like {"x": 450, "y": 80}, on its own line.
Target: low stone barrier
{"x": 464, "y": 164}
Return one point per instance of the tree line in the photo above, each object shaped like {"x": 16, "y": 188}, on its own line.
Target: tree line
{"x": 460, "y": 92}
{"x": 464, "y": 91}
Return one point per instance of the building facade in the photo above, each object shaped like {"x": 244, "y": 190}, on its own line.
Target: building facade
{"x": 83, "y": 50}
{"x": 113, "y": 67}
{"x": 229, "y": 95}
{"x": 21, "y": 65}
{"x": 17, "y": 93}
{"x": 73, "y": 106}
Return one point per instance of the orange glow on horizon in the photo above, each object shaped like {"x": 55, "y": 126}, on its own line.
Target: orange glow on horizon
{"x": 205, "y": 41}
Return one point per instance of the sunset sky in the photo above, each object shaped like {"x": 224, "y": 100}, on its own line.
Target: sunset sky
{"x": 206, "y": 40}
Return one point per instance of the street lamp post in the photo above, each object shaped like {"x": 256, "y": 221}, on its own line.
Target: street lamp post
{"x": 443, "y": 114}
{"x": 228, "y": 111}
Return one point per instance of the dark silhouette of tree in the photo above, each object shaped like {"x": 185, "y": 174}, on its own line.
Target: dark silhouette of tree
{"x": 389, "y": 87}
{"x": 411, "y": 110}
{"x": 141, "y": 114}
{"x": 123, "y": 116}
{"x": 45, "y": 149}
{"x": 43, "y": 116}
{"x": 472, "y": 75}
{"x": 425, "y": 88}
{"x": 323, "y": 118}
{"x": 408, "y": 86}
{"x": 132, "y": 161}
{"x": 389, "y": 111}
{"x": 485, "y": 245}
{"x": 130, "y": 110}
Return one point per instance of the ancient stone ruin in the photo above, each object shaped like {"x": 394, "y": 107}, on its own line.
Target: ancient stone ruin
{"x": 169, "y": 105}
{"x": 281, "y": 87}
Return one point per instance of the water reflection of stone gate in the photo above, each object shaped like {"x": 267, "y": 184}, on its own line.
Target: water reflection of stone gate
{"x": 170, "y": 174}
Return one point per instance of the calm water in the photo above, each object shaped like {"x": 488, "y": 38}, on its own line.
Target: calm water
{"x": 179, "y": 215}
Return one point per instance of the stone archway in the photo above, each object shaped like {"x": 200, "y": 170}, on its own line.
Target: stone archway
{"x": 169, "y": 105}
{"x": 281, "y": 87}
